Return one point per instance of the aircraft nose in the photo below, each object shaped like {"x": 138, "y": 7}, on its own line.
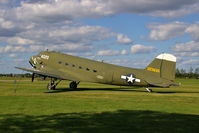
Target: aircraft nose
{"x": 33, "y": 61}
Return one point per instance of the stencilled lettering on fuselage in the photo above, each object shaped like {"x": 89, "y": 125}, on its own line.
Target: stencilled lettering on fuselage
{"x": 45, "y": 57}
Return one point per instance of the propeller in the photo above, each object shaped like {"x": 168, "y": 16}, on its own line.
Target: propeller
{"x": 33, "y": 76}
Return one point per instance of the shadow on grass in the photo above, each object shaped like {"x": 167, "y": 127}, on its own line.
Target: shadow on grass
{"x": 58, "y": 90}
{"x": 164, "y": 90}
{"x": 119, "y": 121}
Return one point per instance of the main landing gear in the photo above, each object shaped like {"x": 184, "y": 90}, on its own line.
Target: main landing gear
{"x": 52, "y": 85}
{"x": 73, "y": 85}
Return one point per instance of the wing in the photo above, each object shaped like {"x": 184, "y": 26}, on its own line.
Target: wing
{"x": 48, "y": 74}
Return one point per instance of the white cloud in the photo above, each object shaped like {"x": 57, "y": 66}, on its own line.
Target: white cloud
{"x": 187, "y": 54}
{"x": 56, "y": 10}
{"x": 138, "y": 48}
{"x": 194, "y": 31}
{"x": 81, "y": 33}
{"x": 167, "y": 31}
{"x": 9, "y": 48}
{"x": 111, "y": 52}
{"x": 123, "y": 39}
{"x": 36, "y": 48}
{"x": 128, "y": 62}
{"x": 19, "y": 41}
{"x": 187, "y": 47}
{"x": 190, "y": 62}
{"x": 177, "y": 12}
{"x": 13, "y": 55}
{"x": 5, "y": 24}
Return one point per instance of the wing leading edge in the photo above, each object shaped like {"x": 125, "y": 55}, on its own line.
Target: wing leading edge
{"x": 48, "y": 74}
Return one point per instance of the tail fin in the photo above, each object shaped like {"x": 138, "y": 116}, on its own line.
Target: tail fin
{"x": 165, "y": 65}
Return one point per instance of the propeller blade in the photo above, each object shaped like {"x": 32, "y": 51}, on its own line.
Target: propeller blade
{"x": 33, "y": 77}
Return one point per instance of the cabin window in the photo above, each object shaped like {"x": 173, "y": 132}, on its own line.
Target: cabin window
{"x": 94, "y": 71}
{"x": 59, "y": 62}
{"x": 87, "y": 69}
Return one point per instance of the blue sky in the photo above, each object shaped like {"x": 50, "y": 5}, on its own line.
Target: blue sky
{"x": 128, "y": 33}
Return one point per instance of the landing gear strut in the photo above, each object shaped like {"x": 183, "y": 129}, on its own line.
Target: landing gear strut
{"x": 149, "y": 90}
{"x": 73, "y": 85}
{"x": 52, "y": 85}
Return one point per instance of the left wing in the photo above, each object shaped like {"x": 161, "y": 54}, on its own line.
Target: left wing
{"x": 48, "y": 74}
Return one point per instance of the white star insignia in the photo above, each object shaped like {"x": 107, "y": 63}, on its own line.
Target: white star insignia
{"x": 130, "y": 78}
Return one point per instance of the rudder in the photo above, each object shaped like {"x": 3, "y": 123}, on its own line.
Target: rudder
{"x": 165, "y": 65}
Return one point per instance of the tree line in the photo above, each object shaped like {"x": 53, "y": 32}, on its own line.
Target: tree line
{"x": 180, "y": 73}
{"x": 191, "y": 73}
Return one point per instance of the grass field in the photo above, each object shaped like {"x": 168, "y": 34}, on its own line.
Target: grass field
{"x": 29, "y": 108}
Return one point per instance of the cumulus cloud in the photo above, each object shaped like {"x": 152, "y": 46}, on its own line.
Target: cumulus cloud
{"x": 5, "y": 24}
{"x": 59, "y": 10}
{"x": 19, "y": 41}
{"x": 177, "y": 12}
{"x": 56, "y": 36}
{"x": 35, "y": 48}
{"x": 123, "y": 39}
{"x": 12, "y": 55}
{"x": 81, "y": 33}
{"x": 111, "y": 52}
{"x": 56, "y": 10}
{"x": 171, "y": 30}
{"x": 187, "y": 54}
{"x": 187, "y": 47}
{"x": 193, "y": 29}
{"x": 129, "y": 62}
{"x": 167, "y": 31}
{"x": 190, "y": 62}
{"x": 138, "y": 49}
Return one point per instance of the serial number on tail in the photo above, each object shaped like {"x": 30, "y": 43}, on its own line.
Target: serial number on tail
{"x": 153, "y": 69}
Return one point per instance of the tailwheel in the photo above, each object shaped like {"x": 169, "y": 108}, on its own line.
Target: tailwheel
{"x": 73, "y": 85}
{"x": 149, "y": 90}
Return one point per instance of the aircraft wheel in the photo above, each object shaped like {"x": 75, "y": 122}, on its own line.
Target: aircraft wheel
{"x": 73, "y": 85}
{"x": 149, "y": 90}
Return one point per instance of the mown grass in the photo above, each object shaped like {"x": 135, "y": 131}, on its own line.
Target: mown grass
{"x": 30, "y": 107}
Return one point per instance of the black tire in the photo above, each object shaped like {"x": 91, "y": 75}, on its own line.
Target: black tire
{"x": 73, "y": 85}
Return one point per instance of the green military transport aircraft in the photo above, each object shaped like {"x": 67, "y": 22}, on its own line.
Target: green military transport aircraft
{"x": 58, "y": 66}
